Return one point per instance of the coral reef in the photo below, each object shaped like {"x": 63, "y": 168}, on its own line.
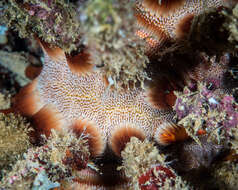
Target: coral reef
{"x": 135, "y": 94}
{"x": 209, "y": 109}
{"x": 231, "y": 24}
{"x": 19, "y": 63}
{"x": 147, "y": 167}
{"x": 4, "y": 101}
{"x": 225, "y": 175}
{"x": 111, "y": 41}
{"x": 232, "y": 141}
{"x": 49, "y": 164}
{"x": 138, "y": 156}
{"x": 53, "y": 21}
{"x": 14, "y": 139}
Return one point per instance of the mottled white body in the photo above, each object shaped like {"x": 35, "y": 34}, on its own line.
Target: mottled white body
{"x": 86, "y": 96}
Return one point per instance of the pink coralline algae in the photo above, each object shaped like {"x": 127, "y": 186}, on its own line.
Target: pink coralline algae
{"x": 208, "y": 109}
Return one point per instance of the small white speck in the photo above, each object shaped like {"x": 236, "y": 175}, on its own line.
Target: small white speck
{"x": 111, "y": 82}
{"x": 181, "y": 107}
{"x": 212, "y": 101}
